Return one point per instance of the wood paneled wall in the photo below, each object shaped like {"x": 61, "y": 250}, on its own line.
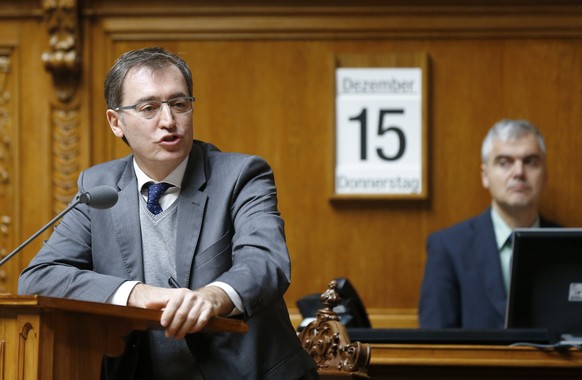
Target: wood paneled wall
{"x": 264, "y": 82}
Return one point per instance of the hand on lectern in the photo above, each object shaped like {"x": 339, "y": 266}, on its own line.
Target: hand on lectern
{"x": 185, "y": 311}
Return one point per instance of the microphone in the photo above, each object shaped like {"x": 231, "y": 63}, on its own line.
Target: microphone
{"x": 99, "y": 197}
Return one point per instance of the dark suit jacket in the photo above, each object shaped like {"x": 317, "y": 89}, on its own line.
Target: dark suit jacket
{"x": 463, "y": 284}
{"x": 230, "y": 230}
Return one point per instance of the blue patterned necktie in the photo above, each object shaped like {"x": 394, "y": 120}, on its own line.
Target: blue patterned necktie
{"x": 155, "y": 191}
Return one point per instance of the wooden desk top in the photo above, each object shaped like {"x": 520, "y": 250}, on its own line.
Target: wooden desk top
{"x": 472, "y": 356}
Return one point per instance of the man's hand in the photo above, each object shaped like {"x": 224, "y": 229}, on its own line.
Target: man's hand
{"x": 184, "y": 311}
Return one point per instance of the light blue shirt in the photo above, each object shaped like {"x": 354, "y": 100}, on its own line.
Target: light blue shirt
{"x": 504, "y": 246}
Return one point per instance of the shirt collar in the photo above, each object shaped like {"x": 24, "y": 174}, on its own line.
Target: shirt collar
{"x": 175, "y": 177}
{"x": 502, "y": 230}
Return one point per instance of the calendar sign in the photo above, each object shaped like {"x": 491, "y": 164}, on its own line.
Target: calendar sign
{"x": 379, "y": 131}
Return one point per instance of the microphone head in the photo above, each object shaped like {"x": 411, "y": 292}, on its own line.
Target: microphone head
{"x": 100, "y": 197}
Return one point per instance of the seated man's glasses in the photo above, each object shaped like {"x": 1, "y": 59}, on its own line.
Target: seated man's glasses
{"x": 151, "y": 108}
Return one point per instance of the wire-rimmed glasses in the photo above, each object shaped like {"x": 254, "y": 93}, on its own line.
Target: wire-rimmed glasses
{"x": 151, "y": 108}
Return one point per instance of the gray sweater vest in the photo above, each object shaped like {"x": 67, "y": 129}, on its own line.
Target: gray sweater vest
{"x": 171, "y": 359}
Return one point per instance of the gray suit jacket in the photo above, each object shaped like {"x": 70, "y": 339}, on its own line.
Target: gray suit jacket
{"x": 230, "y": 230}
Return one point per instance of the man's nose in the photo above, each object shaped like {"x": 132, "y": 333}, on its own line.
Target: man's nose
{"x": 518, "y": 168}
{"x": 166, "y": 115}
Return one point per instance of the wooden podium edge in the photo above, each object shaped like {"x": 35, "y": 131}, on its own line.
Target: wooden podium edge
{"x": 151, "y": 318}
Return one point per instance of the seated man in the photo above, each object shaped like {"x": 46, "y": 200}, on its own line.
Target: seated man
{"x": 466, "y": 277}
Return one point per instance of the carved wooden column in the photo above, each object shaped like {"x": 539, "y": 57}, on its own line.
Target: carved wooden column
{"x": 6, "y": 162}
{"x": 63, "y": 61}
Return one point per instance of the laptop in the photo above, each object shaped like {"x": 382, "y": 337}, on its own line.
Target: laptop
{"x": 546, "y": 282}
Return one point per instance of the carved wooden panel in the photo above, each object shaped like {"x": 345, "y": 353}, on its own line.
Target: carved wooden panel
{"x": 63, "y": 61}
{"x": 24, "y": 350}
{"x": 8, "y": 161}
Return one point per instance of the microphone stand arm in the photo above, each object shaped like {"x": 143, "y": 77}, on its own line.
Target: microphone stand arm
{"x": 30, "y": 239}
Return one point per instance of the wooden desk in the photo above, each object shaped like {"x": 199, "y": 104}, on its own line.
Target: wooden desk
{"x": 416, "y": 361}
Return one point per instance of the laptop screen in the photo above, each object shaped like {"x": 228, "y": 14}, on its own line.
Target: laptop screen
{"x": 546, "y": 281}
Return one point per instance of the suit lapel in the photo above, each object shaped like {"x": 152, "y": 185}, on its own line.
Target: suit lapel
{"x": 125, "y": 219}
{"x": 488, "y": 257}
{"x": 191, "y": 205}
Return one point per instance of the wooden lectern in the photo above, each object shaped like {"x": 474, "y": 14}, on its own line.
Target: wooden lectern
{"x": 44, "y": 338}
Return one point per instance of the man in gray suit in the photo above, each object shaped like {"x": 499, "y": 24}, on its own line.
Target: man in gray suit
{"x": 186, "y": 211}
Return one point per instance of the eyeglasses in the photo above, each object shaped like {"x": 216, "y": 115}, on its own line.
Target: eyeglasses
{"x": 151, "y": 108}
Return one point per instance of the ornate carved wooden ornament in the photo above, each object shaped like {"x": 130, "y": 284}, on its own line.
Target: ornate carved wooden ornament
{"x": 7, "y": 135}
{"x": 63, "y": 58}
{"x": 63, "y": 61}
{"x": 327, "y": 341}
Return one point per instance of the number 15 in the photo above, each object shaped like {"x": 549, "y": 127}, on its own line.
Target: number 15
{"x": 363, "y": 119}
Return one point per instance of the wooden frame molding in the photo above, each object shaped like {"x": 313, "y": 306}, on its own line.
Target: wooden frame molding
{"x": 325, "y": 20}
{"x": 418, "y": 60}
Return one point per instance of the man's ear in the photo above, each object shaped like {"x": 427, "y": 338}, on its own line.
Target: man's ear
{"x": 114, "y": 120}
{"x": 484, "y": 176}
